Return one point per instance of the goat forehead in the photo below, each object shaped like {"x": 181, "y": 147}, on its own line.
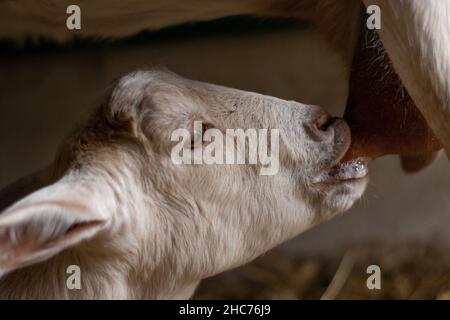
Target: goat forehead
{"x": 140, "y": 83}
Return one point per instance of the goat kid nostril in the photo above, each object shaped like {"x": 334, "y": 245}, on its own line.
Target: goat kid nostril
{"x": 323, "y": 122}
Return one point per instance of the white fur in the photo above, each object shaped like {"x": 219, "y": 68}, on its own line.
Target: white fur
{"x": 160, "y": 228}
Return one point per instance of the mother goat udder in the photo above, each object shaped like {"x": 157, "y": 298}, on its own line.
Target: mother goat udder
{"x": 380, "y": 112}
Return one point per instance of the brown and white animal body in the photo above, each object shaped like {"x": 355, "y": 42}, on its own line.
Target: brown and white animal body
{"x": 140, "y": 226}
{"x": 415, "y": 34}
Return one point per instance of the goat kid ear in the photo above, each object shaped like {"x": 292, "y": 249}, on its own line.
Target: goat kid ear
{"x": 46, "y": 222}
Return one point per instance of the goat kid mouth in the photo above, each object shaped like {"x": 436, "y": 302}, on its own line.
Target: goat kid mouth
{"x": 335, "y": 171}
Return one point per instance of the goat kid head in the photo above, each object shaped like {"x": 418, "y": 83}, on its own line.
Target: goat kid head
{"x": 139, "y": 223}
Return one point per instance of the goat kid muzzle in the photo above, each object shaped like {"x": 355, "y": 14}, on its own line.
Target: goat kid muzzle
{"x": 335, "y": 170}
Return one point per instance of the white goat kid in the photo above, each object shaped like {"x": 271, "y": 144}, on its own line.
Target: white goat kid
{"x": 140, "y": 226}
